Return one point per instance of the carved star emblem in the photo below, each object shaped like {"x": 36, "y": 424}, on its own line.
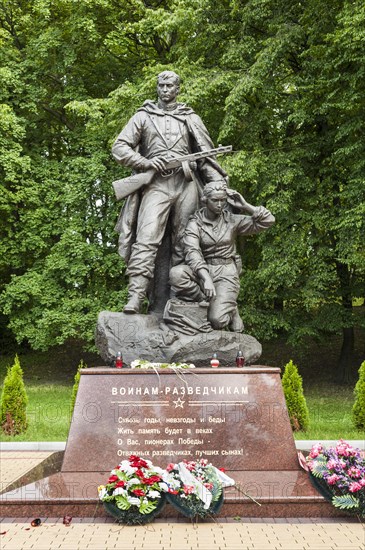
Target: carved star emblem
{"x": 179, "y": 403}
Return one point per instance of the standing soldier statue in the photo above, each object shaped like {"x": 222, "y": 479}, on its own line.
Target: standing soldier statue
{"x": 172, "y": 157}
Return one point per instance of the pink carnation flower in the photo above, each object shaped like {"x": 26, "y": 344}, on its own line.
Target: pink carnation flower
{"x": 331, "y": 480}
{"x": 354, "y": 472}
{"x": 344, "y": 449}
{"x": 354, "y": 487}
{"x": 188, "y": 489}
{"x": 316, "y": 450}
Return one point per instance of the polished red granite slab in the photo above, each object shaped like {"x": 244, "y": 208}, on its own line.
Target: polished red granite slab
{"x": 237, "y": 418}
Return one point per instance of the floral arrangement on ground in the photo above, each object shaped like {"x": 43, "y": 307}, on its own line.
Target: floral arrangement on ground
{"x": 196, "y": 488}
{"x": 339, "y": 474}
{"x": 135, "y": 491}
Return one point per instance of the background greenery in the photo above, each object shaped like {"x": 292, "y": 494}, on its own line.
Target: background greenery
{"x": 283, "y": 82}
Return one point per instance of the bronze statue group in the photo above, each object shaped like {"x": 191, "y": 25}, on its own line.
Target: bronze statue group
{"x": 203, "y": 214}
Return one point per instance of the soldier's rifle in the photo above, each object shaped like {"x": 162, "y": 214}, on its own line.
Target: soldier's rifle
{"x": 126, "y": 186}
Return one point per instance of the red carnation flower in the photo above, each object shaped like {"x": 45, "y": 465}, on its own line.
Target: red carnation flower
{"x": 151, "y": 480}
{"x": 120, "y": 483}
{"x": 139, "y": 492}
{"x": 112, "y": 479}
{"x": 137, "y": 462}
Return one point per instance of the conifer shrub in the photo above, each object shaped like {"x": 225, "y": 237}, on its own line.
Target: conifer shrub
{"x": 358, "y": 410}
{"x": 294, "y": 396}
{"x": 14, "y": 400}
{"x": 75, "y": 387}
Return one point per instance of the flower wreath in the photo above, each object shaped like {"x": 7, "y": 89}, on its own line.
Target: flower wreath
{"x": 339, "y": 474}
{"x": 196, "y": 488}
{"x": 135, "y": 491}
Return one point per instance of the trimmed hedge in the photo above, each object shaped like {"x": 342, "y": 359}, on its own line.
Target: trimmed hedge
{"x": 14, "y": 400}
{"x": 294, "y": 396}
{"x": 358, "y": 411}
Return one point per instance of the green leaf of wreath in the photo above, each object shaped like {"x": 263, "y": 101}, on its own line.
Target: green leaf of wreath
{"x": 147, "y": 507}
{"x": 319, "y": 466}
{"x": 345, "y": 502}
{"x": 122, "y": 503}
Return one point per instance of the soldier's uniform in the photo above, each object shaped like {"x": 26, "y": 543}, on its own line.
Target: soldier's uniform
{"x": 210, "y": 245}
{"x": 153, "y": 132}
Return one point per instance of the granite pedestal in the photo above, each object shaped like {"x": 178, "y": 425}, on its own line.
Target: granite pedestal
{"x": 234, "y": 417}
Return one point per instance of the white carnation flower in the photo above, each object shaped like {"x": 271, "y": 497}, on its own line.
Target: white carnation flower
{"x": 163, "y": 486}
{"x": 128, "y": 469}
{"x": 102, "y": 493}
{"x": 175, "y": 483}
{"x": 134, "y": 481}
{"x": 120, "y": 491}
{"x": 134, "y": 501}
{"x": 153, "y": 494}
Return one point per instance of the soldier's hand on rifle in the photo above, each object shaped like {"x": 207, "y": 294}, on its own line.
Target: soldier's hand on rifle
{"x": 157, "y": 163}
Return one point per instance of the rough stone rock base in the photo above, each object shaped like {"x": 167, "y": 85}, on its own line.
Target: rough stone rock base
{"x": 146, "y": 337}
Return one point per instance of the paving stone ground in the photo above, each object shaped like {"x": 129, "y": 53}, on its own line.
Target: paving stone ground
{"x": 225, "y": 534}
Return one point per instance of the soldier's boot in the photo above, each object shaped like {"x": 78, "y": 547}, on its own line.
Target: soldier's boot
{"x": 236, "y": 324}
{"x": 137, "y": 291}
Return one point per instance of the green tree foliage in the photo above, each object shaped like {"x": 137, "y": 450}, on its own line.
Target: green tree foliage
{"x": 358, "y": 411}
{"x": 59, "y": 264}
{"x": 294, "y": 397}
{"x": 280, "y": 81}
{"x": 13, "y": 418}
{"x": 75, "y": 387}
{"x": 287, "y": 112}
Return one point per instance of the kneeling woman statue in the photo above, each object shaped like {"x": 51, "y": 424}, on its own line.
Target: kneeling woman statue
{"x": 212, "y": 266}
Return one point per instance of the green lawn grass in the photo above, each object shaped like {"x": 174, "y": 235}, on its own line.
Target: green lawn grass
{"x": 330, "y": 413}
{"x": 48, "y": 414}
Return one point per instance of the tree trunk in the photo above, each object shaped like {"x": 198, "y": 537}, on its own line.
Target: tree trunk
{"x": 279, "y": 304}
{"x": 344, "y": 374}
{"x": 345, "y": 361}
